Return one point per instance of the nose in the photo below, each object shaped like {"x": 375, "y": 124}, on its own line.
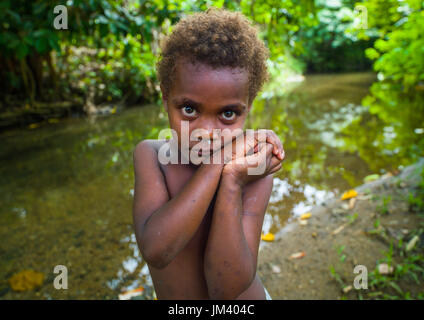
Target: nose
{"x": 208, "y": 130}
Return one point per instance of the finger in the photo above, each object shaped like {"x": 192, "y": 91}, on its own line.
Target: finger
{"x": 269, "y": 149}
{"x": 275, "y": 161}
{"x": 283, "y": 155}
{"x": 263, "y": 154}
{"x": 277, "y": 168}
{"x": 275, "y": 140}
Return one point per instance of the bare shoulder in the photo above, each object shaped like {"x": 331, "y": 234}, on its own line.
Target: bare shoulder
{"x": 148, "y": 145}
{"x": 150, "y": 190}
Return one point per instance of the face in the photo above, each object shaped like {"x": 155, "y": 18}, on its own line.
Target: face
{"x": 207, "y": 99}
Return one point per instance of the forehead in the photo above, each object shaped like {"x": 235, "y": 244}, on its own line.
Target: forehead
{"x": 206, "y": 84}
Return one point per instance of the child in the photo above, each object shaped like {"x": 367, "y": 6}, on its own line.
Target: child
{"x": 198, "y": 226}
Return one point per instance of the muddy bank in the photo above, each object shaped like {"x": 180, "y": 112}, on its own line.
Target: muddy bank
{"x": 338, "y": 237}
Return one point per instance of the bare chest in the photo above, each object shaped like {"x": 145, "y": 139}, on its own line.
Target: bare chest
{"x": 176, "y": 177}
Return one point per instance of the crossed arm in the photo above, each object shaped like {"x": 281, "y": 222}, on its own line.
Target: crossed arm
{"x": 164, "y": 226}
{"x": 231, "y": 253}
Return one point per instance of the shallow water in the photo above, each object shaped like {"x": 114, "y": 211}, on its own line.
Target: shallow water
{"x": 66, "y": 188}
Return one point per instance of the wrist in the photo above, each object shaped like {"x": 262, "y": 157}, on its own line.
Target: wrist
{"x": 232, "y": 177}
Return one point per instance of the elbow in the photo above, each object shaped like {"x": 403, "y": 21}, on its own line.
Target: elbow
{"x": 155, "y": 257}
{"x": 227, "y": 291}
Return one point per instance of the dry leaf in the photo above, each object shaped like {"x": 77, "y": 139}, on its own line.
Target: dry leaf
{"x": 352, "y": 203}
{"x": 276, "y": 269}
{"x": 298, "y": 255}
{"x": 383, "y": 268}
{"x": 268, "y": 237}
{"x": 303, "y": 222}
{"x": 347, "y": 289}
{"x": 349, "y": 194}
{"x": 132, "y": 293}
{"x": 411, "y": 244}
{"x": 338, "y": 229}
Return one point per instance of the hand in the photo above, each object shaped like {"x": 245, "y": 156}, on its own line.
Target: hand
{"x": 273, "y": 139}
{"x": 249, "y": 144}
{"x": 238, "y": 169}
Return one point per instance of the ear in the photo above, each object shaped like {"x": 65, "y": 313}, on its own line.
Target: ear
{"x": 164, "y": 98}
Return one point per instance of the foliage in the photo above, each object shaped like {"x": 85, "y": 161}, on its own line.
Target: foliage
{"x": 397, "y": 99}
{"x": 110, "y": 49}
{"x": 327, "y": 46}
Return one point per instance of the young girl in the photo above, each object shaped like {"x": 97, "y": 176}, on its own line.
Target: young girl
{"x": 198, "y": 226}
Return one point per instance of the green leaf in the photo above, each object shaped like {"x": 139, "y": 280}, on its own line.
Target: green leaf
{"x": 21, "y": 50}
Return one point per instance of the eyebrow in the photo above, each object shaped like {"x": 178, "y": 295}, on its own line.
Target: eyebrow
{"x": 198, "y": 104}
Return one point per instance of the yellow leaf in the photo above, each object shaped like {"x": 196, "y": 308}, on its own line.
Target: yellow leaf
{"x": 113, "y": 111}
{"x": 268, "y": 237}
{"x": 26, "y": 280}
{"x": 53, "y": 120}
{"x": 349, "y": 194}
{"x": 305, "y": 216}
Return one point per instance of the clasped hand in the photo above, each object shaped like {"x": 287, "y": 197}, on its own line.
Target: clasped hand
{"x": 255, "y": 158}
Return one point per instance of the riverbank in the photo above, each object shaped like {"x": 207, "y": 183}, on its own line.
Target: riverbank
{"x": 381, "y": 228}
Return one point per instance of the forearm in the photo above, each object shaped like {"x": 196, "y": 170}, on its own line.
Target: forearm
{"x": 228, "y": 263}
{"x": 170, "y": 228}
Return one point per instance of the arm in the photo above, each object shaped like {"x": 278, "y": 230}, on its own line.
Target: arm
{"x": 232, "y": 248}
{"x": 164, "y": 226}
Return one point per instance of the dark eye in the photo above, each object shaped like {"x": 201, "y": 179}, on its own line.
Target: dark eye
{"x": 229, "y": 115}
{"x": 189, "y": 111}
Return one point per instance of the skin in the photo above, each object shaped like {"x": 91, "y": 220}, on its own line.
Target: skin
{"x": 198, "y": 226}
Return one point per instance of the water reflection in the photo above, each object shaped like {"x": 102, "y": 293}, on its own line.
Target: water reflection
{"x": 66, "y": 190}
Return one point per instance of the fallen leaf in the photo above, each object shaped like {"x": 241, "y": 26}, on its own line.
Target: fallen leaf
{"x": 314, "y": 234}
{"x": 298, "y": 255}
{"x": 384, "y": 268}
{"x": 305, "y": 216}
{"x": 268, "y": 237}
{"x": 131, "y": 293}
{"x": 349, "y": 194}
{"x": 352, "y": 202}
{"x": 347, "y": 289}
{"x": 411, "y": 244}
{"x": 338, "y": 229}
{"x": 276, "y": 269}
{"x": 26, "y": 280}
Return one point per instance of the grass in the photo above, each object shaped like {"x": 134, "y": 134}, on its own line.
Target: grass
{"x": 383, "y": 208}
